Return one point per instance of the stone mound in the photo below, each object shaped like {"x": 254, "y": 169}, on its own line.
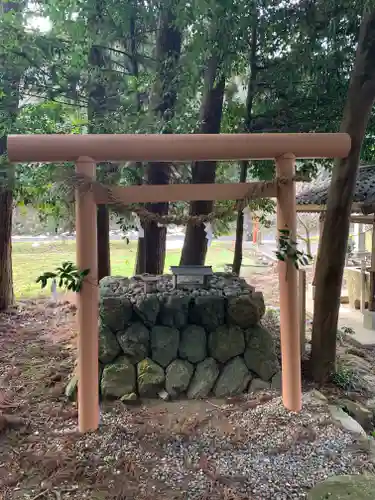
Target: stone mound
{"x": 183, "y": 342}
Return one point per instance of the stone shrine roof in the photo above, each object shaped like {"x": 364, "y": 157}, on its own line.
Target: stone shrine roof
{"x": 317, "y": 191}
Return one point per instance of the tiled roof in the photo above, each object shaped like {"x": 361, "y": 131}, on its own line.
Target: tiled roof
{"x": 316, "y": 192}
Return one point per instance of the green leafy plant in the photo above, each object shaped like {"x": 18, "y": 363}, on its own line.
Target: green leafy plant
{"x": 287, "y": 250}
{"x": 343, "y": 332}
{"x": 67, "y": 275}
{"x": 347, "y": 379}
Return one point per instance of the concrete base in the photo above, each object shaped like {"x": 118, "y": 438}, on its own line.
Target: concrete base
{"x": 369, "y": 320}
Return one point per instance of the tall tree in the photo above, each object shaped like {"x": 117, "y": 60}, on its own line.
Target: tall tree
{"x": 332, "y": 251}
{"x": 98, "y": 109}
{"x": 195, "y": 244}
{"x": 221, "y": 44}
{"x": 251, "y": 89}
{"x": 164, "y": 95}
{"x": 10, "y": 77}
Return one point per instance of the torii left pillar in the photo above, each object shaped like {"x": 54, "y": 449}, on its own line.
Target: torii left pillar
{"x": 88, "y": 298}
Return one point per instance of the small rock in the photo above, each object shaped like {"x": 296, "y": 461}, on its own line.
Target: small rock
{"x": 164, "y": 344}
{"x": 163, "y": 395}
{"x": 208, "y": 312}
{"x": 147, "y": 309}
{"x": 260, "y": 356}
{"x": 150, "y": 378}
{"x": 111, "y": 285}
{"x": 115, "y": 311}
{"x": 246, "y": 310}
{"x": 318, "y": 396}
{"x": 344, "y": 488}
{"x": 130, "y": 398}
{"x": 193, "y": 344}
{"x": 178, "y": 375}
{"x": 174, "y": 311}
{"x": 109, "y": 348}
{"x": 204, "y": 378}
{"x": 359, "y": 412}
{"x": 226, "y": 342}
{"x": 134, "y": 341}
{"x": 345, "y": 420}
{"x": 258, "y": 384}
{"x": 72, "y": 388}
{"x": 118, "y": 378}
{"x": 276, "y": 381}
{"x": 233, "y": 379}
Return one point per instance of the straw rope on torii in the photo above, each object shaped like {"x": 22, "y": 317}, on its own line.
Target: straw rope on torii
{"x": 78, "y": 181}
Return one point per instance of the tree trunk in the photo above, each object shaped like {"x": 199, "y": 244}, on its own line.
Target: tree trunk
{"x": 168, "y": 50}
{"x": 156, "y": 237}
{"x": 9, "y": 84}
{"x": 140, "y": 263}
{"x": 195, "y": 244}
{"x": 97, "y": 112}
{"x": 332, "y": 251}
{"x": 237, "y": 258}
{"x": 6, "y": 276}
{"x": 102, "y": 221}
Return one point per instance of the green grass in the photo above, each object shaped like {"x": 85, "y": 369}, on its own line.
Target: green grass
{"x": 30, "y": 261}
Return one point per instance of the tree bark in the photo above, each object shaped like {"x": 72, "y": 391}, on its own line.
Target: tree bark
{"x": 195, "y": 243}
{"x": 9, "y": 83}
{"x": 102, "y": 221}
{"x": 238, "y": 254}
{"x": 168, "y": 50}
{"x": 6, "y": 275}
{"x": 98, "y": 110}
{"x": 237, "y": 258}
{"x": 333, "y": 247}
{"x": 140, "y": 263}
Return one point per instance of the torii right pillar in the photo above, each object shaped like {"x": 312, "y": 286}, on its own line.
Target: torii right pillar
{"x": 288, "y": 283}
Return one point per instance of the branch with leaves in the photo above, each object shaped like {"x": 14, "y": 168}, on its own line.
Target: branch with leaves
{"x": 288, "y": 251}
{"x": 67, "y": 276}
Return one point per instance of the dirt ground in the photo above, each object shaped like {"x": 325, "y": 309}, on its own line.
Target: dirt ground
{"x": 38, "y": 440}
{"x": 41, "y": 454}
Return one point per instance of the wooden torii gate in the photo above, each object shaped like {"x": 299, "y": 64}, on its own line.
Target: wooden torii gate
{"x": 87, "y": 150}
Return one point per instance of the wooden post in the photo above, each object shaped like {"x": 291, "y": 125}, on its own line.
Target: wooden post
{"x": 289, "y": 325}
{"x": 302, "y": 308}
{"x": 87, "y": 313}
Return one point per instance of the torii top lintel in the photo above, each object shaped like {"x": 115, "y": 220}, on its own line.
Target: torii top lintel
{"x": 175, "y": 147}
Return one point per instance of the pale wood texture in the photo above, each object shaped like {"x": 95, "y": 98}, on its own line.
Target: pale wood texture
{"x": 176, "y": 147}
{"x": 289, "y": 324}
{"x": 302, "y": 308}
{"x": 185, "y": 192}
{"x": 88, "y": 298}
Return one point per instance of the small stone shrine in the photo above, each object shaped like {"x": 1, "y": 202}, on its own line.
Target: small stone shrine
{"x": 191, "y": 276}
{"x": 194, "y": 342}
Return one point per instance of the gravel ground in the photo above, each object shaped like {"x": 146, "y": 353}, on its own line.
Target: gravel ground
{"x": 249, "y": 448}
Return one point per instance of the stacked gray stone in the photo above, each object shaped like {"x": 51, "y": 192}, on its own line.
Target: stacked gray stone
{"x": 192, "y": 343}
